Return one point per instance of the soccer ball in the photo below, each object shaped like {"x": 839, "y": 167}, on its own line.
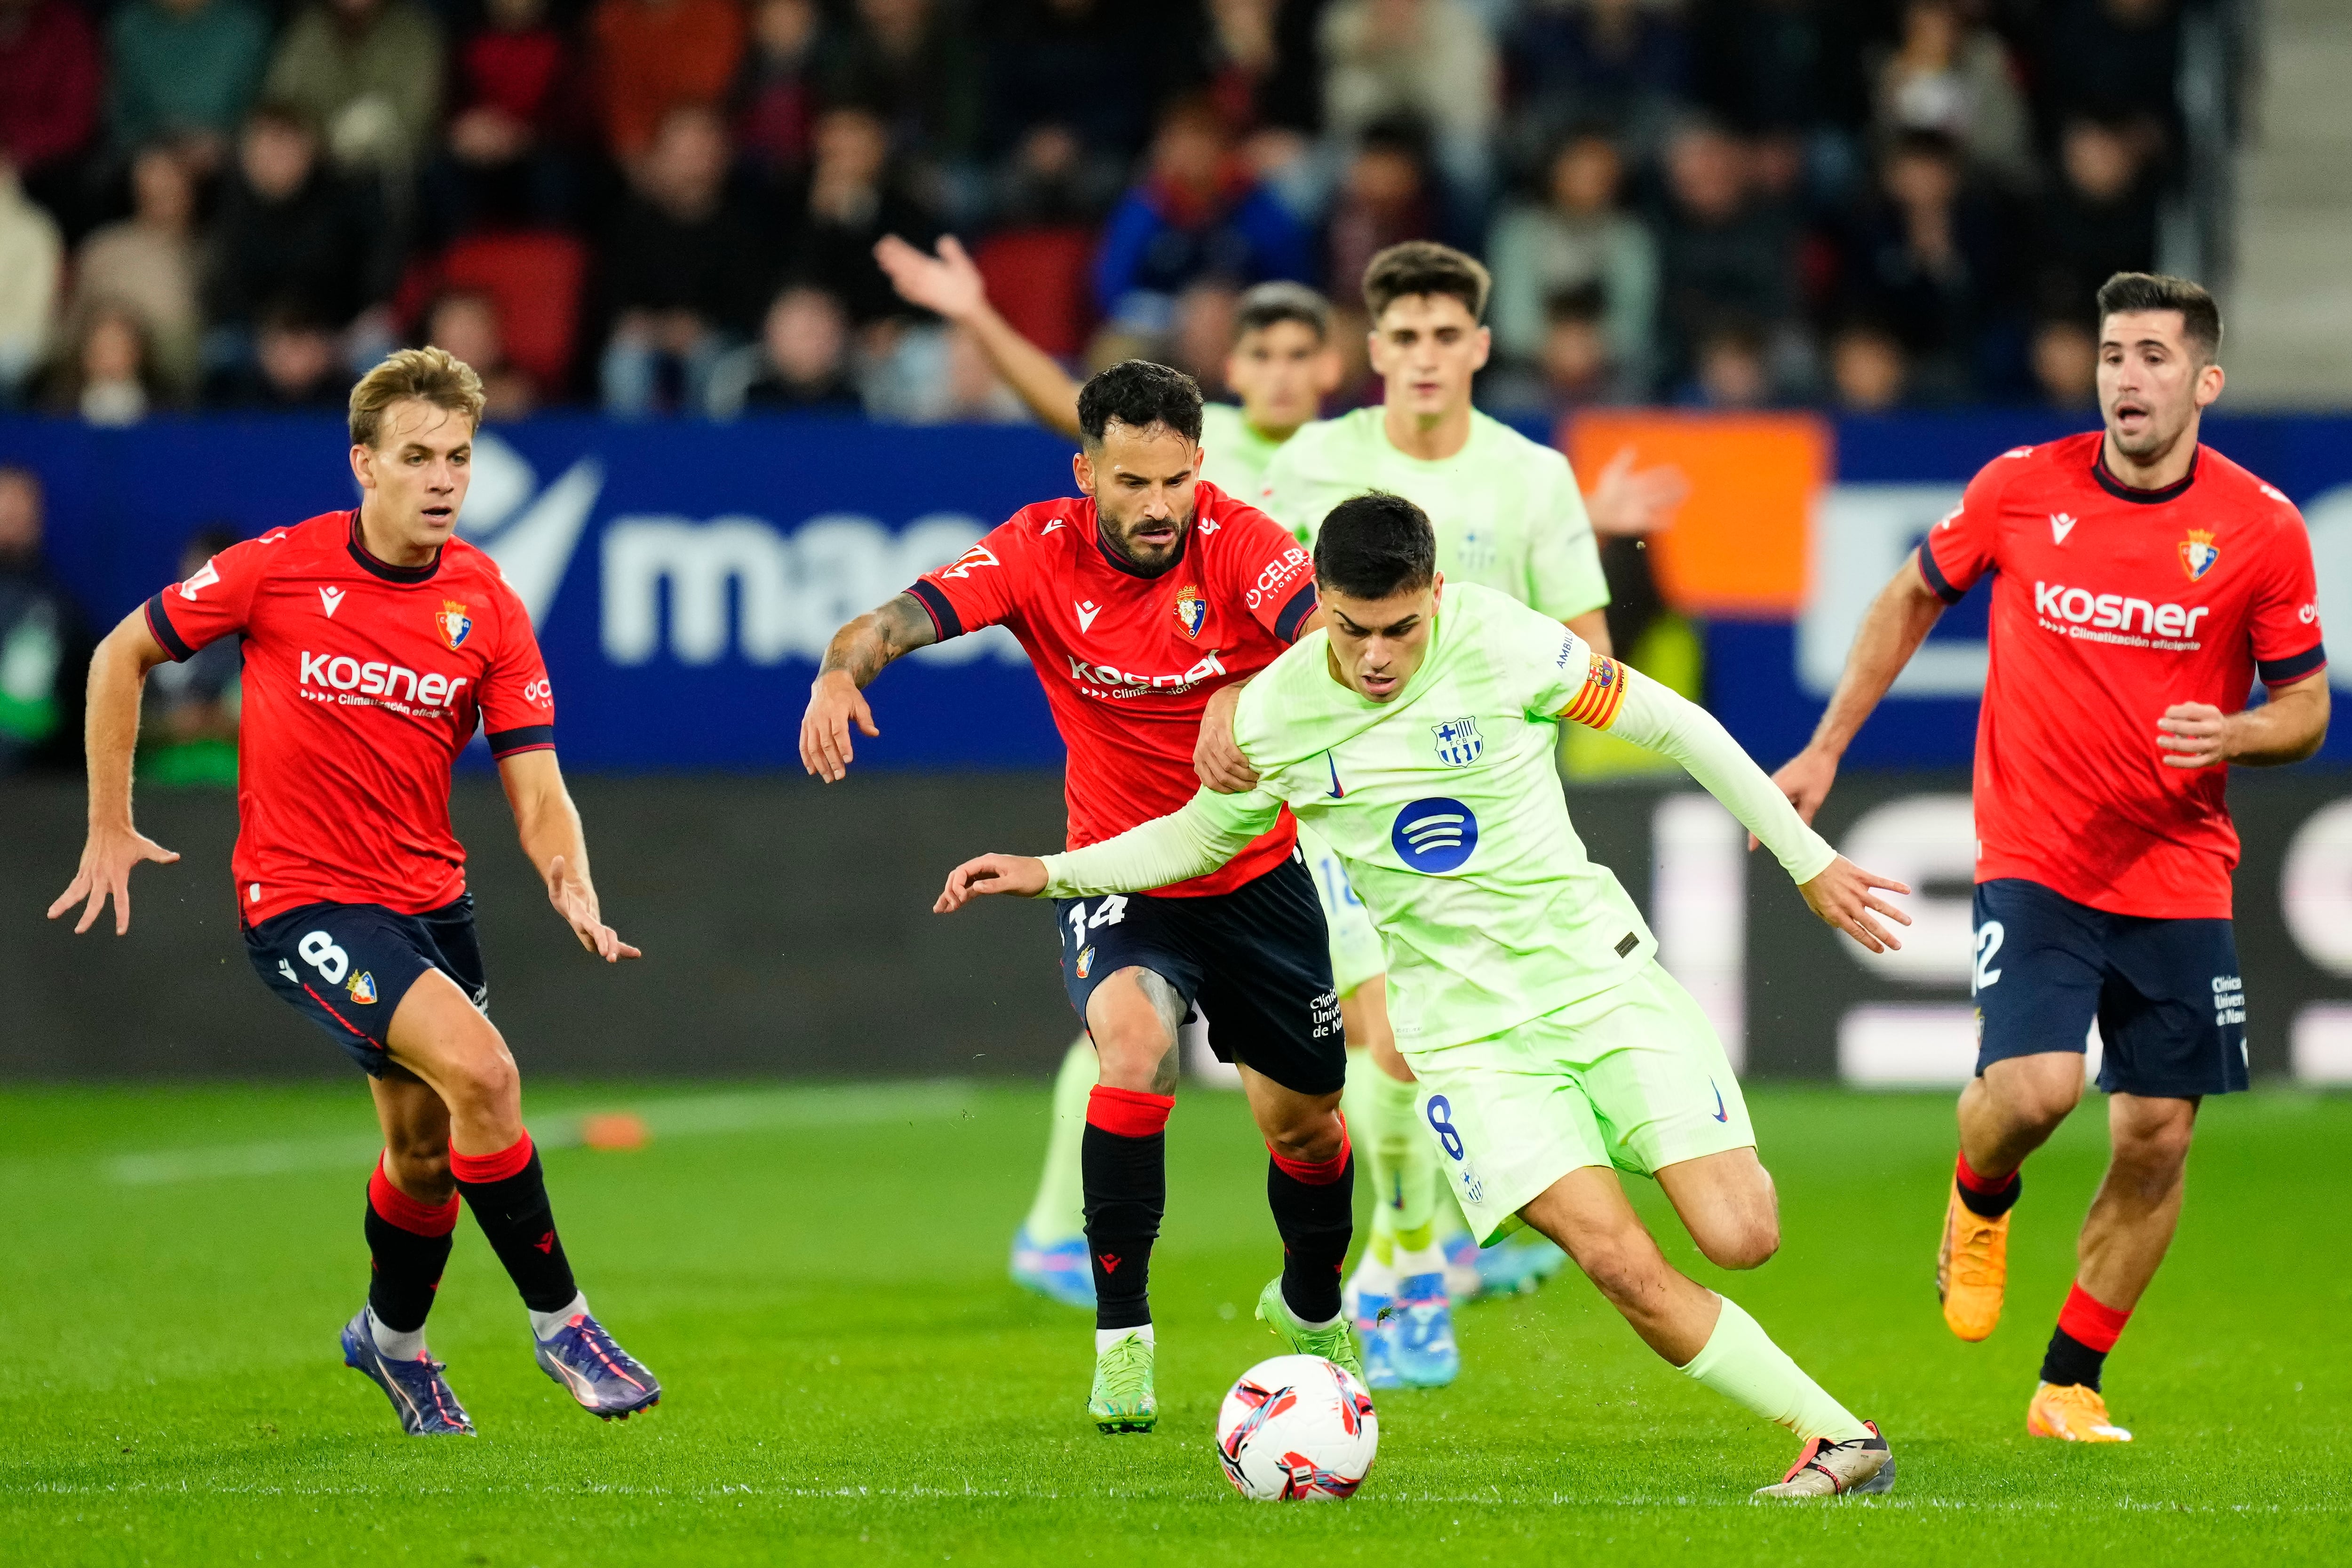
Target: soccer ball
{"x": 1297, "y": 1427}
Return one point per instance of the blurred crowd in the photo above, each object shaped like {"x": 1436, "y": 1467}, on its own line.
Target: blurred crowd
{"x": 671, "y": 205}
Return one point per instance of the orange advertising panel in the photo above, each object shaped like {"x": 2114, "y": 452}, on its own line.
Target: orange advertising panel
{"x": 1740, "y": 544}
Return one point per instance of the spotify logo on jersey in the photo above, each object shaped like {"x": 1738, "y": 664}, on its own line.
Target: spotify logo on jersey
{"x": 1434, "y": 835}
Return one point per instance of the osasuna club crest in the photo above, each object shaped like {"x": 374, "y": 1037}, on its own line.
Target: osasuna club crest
{"x": 1192, "y": 610}
{"x": 1458, "y": 741}
{"x": 454, "y": 623}
{"x": 2197, "y": 554}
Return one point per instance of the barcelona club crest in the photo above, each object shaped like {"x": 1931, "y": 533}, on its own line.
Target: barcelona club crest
{"x": 1192, "y": 610}
{"x": 1458, "y": 741}
{"x": 454, "y": 623}
{"x": 2197, "y": 554}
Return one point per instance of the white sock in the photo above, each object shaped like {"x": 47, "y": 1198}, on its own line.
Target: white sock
{"x": 1374, "y": 1277}
{"x": 546, "y": 1325}
{"x": 1105, "y": 1338}
{"x": 393, "y": 1344}
{"x": 1428, "y": 1259}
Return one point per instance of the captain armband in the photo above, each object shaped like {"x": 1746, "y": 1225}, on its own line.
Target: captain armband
{"x": 1602, "y": 695}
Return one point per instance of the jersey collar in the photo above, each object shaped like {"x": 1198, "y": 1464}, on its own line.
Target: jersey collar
{"x": 2122, "y": 491}
{"x": 385, "y": 569}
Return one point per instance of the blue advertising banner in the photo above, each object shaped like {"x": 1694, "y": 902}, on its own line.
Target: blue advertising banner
{"x": 685, "y": 576}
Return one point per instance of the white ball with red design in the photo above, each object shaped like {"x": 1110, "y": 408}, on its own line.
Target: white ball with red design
{"x": 1297, "y": 1428}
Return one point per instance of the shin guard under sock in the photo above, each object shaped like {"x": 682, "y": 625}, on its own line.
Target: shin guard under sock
{"x": 1124, "y": 1158}
{"x": 507, "y": 1194}
{"x": 1314, "y": 1204}
{"x": 408, "y": 1246}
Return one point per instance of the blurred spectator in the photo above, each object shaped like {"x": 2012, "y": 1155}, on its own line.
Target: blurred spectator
{"x": 1576, "y": 238}
{"x": 2119, "y": 60}
{"x": 290, "y": 231}
{"x": 1952, "y": 75}
{"x": 184, "y": 71}
{"x": 294, "y": 364}
{"x": 1625, "y": 63}
{"x": 1198, "y": 213}
{"x": 467, "y": 324}
{"x": 684, "y": 270}
{"x": 147, "y": 264}
{"x": 52, "y": 75}
{"x": 1723, "y": 249}
{"x": 1731, "y": 368}
{"x": 507, "y": 158}
{"x": 1769, "y": 65}
{"x": 1098, "y": 66}
{"x": 1868, "y": 368}
{"x": 105, "y": 376}
{"x": 2066, "y": 355}
{"x": 1384, "y": 198}
{"x": 1433, "y": 60}
{"x": 1204, "y": 336}
{"x": 1054, "y": 180}
{"x": 32, "y": 256}
{"x": 44, "y": 650}
{"x": 655, "y": 56}
{"x": 2102, "y": 218}
{"x": 910, "y": 62}
{"x": 1578, "y": 361}
{"x": 854, "y": 198}
{"x": 1262, "y": 66}
{"x": 801, "y": 363}
{"x": 368, "y": 73}
{"x": 941, "y": 375}
{"x": 188, "y": 722}
{"x": 1924, "y": 261}
{"x": 775, "y": 91}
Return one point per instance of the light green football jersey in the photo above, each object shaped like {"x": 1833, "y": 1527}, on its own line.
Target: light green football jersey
{"x": 1236, "y": 453}
{"x": 1506, "y": 511}
{"x": 1445, "y": 806}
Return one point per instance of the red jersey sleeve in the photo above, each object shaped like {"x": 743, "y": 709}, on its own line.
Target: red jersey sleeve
{"x": 214, "y": 601}
{"x": 517, "y": 704}
{"x": 2286, "y": 637}
{"x": 1267, "y": 568}
{"x": 1960, "y": 549}
{"x": 977, "y": 588}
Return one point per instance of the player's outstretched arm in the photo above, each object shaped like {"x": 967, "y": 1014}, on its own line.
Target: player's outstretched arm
{"x": 549, "y": 825}
{"x": 950, "y": 285}
{"x": 1896, "y": 624}
{"x": 1209, "y": 830}
{"x": 2286, "y": 729}
{"x": 118, "y": 676}
{"x": 1842, "y": 893}
{"x": 838, "y": 697}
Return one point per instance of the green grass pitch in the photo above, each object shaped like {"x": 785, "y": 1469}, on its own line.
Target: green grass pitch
{"x": 817, "y": 1275}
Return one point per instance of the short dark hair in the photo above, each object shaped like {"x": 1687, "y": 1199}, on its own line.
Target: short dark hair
{"x": 1375, "y": 545}
{"x": 1271, "y": 303}
{"x": 1138, "y": 394}
{"x": 2200, "y": 318}
{"x": 1425, "y": 267}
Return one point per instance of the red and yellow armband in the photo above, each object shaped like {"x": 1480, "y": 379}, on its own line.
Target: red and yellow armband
{"x": 1602, "y": 695}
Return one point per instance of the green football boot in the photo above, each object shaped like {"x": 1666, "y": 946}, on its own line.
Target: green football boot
{"x": 1333, "y": 1343}
{"x": 1123, "y": 1400}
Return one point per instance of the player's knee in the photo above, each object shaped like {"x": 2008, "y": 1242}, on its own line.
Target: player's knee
{"x": 487, "y": 1084}
{"x": 2154, "y": 1157}
{"x": 1311, "y": 1139}
{"x": 1747, "y": 1241}
{"x": 2043, "y": 1098}
{"x": 1620, "y": 1266}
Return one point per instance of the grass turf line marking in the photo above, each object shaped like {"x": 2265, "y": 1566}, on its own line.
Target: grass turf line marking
{"x": 684, "y": 1116}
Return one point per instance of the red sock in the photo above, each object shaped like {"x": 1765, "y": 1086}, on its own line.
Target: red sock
{"x": 1987, "y": 1196}
{"x": 2090, "y": 1320}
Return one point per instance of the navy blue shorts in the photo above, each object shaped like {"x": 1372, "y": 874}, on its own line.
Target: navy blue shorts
{"x": 346, "y": 967}
{"x": 1256, "y": 962}
{"x": 2166, "y": 993}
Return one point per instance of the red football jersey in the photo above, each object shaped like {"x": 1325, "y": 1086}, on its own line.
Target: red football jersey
{"x": 1129, "y": 661}
{"x": 362, "y": 683}
{"x": 2110, "y": 606}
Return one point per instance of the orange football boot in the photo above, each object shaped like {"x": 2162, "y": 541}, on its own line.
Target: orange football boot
{"x": 2072, "y": 1412}
{"x": 1972, "y": 1269}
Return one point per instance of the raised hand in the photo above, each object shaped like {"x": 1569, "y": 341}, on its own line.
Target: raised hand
{"x": 1843, "y": 897}
{"x": 1630, "y": 503}
{"x": 1020, "y": 874}
{"x": 106, "y": 862}
{"x": 948, "y": 284}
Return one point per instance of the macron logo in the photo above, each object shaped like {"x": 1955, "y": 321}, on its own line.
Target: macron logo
{"x": 1086, "y": 614}
{"x": 2061, "y": 525}
{"x": 331, "y": 600}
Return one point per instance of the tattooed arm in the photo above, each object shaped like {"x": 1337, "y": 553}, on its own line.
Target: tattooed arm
{"x": 854, "y": 658}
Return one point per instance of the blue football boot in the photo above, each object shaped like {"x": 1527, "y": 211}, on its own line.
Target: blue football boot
{"x": 596, "y": 1371}
{"x": 420, "y": 1395}
{"x": 1421, "y": 1350}
{"x": 1376, "y": 1328}
{"x": 1518, "y": 1267}
{"x": 1059, "y": 1271}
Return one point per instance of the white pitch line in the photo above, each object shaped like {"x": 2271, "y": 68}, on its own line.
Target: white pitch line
{"x": 684, "y": 1116}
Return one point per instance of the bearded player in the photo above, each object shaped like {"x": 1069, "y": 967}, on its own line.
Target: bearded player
{"x": 2143, "y": 583}
{"x": 1135, "y": 601}
{"x": 375, "y": 643}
